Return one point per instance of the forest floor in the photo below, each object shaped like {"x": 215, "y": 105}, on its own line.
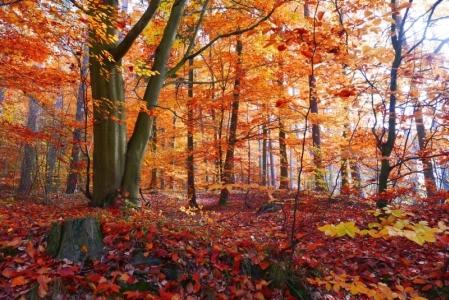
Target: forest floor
{"x": 215, "y": 252}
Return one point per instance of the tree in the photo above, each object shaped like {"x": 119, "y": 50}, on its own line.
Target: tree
{"x": 228, "y": 169}
{"x": 117, "y": 163}
{"x": 29, "y": 162}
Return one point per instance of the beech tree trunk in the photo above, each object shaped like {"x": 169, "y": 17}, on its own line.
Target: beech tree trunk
{"x": 29, "y": 163}
{"x": 284, "y": 180}
{"x": 386, "y": 147}
{"x": 117, "y": 165}
{"x": 154, "y": 171}
{"x": 429, "y": 177}
{"x": 228, "y": 176}
{"x": 191, "y": 192}
{"x": 72, "y": 179}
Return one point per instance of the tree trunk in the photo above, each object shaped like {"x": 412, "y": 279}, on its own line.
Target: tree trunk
{"x": 387, "y": 147}
{"x": 429, "y": 177}
{"x": 77, "y": 240}
{"x": 228, "y": 176}
{"x": 284, "y": 180}
{"x": 154, "y": 173}
{"x": 108, "y": 95}
{"x": 72, "y": 180}
{"x": 142, "y": 129}
{"x": 191, "y": 193}
{"x": 264, "y": 155}
{"x": 272, "y": 177}
{"x": 29, "y": 164}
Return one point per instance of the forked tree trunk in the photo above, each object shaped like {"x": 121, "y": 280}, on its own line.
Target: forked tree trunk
{"x": 228, "y": 176}
{"x": 117, "y": 165}
{"x": 386, "y": 147}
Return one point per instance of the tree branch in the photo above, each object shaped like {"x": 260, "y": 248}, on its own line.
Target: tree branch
{"x": 122, "y": 48}
{"x": 188, "y": 56}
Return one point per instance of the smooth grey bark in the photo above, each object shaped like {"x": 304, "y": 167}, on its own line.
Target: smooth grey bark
{"x": 228, "y": 176}
{"x": 108, "y": 95}
{"x": 73, "y": 178}
{"x": 29, "y": 163}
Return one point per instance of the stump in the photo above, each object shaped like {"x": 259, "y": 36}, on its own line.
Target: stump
{"x": 78, "y": 240}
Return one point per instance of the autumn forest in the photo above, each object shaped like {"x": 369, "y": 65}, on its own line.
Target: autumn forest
{"x": 224, "y": 149}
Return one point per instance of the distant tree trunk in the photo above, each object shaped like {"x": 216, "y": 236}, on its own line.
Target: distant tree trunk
{"x": 154, "y": 171}
{"x": 386, "y": 147}
{"x": 72, "y": 180}
{"x": 29, "y": 164}
{"x": 228, "y": 176}
{"x": 264, "y": 155}
{"x": 344, "y": 161}
{"x": 284, "y": 180}
{"x": 355, "y": 174}
{"x": 52, "y": 152}
{"x": 2, "y": 99}
{"x": 429, "y": 177}
{"x": 320, "y": 184}
{"x": 191, "y": 192}
{"x": 272, "y": 164}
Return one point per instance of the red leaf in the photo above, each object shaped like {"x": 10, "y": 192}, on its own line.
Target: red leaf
{"x": 8, "y": 273}
{"x": 282, "y": 47}
{"x": 66, "y": 272}
{"x": 314, "y": 246}
{"x": 443, "y": 238}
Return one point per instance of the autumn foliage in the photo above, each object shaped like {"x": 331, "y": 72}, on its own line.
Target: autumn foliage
{"x": 324, "y": 123}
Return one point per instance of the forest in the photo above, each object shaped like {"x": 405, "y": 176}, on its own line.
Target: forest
{"x": 224, "y": 149}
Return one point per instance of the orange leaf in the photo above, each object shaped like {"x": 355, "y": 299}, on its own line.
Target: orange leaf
{"x": 19, "y": 280}
{"x": 320, "y": 15}
{"x": 175, "y": 256}
{"x": 264, "y": 265}
{"x": 419, "y": 281}
{"x": 307, "y": 54}
{"x": 314, "y": 246}
{"x": 84, "y": 248}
